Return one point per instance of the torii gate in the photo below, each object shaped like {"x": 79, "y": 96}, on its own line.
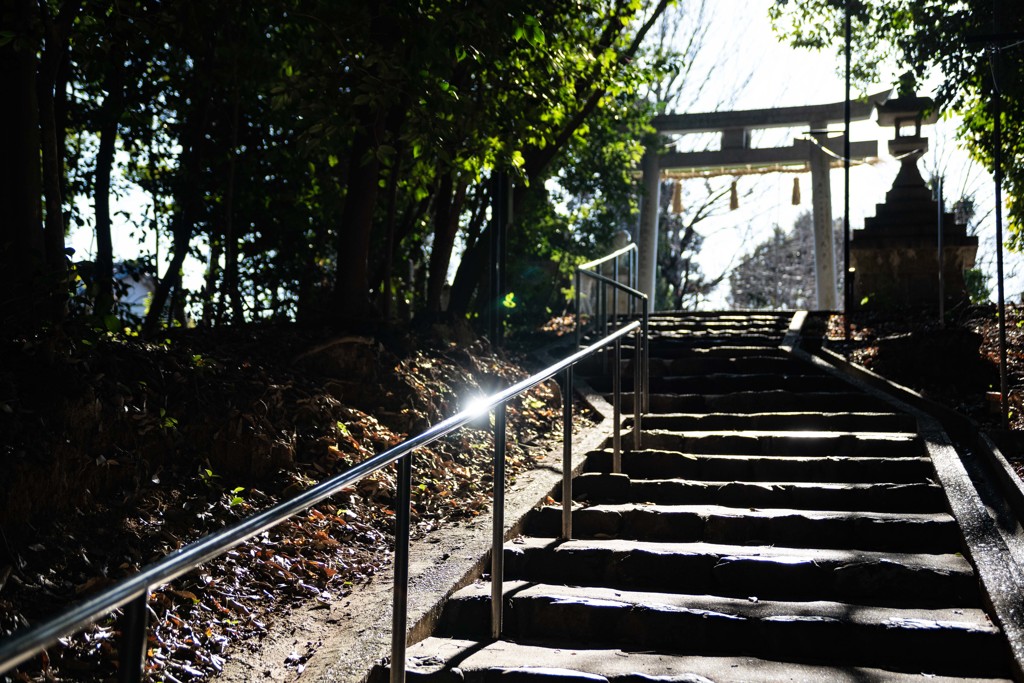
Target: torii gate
{"x": 736, "y": 153}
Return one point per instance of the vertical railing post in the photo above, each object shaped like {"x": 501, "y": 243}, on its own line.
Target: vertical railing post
{"x": 132, "y": 655}
{"x": 498, "y": 528}
{"x": 579, "y": 321}
{"x": 637, "y": 388}
{"x": 604, "y": 302}
{"x": 399, "y": 613}
{"x": 615, "y": 294}
{"x": 616, "y": 410}
{"x": 567, "y": 396}
{"x": 645, "y": 327}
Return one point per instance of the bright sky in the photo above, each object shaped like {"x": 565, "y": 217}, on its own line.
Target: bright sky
{"x": 783, "y": 76}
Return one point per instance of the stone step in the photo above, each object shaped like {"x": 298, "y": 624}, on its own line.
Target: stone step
{"x": 879, "y": 531}
{"x": 946, "y": 641}
{"x": 657, "y": 464}
{"x": 668, "y": 344}
{"x": 698, "y": 365}
{"x": 452, "y": 660}
{"x": 798, "y": 420}
{"x": 726, "y": 351}
{"x": 666, "y": 367}
{"x": 767, "y": 572}
{"x": 758, "y": 442}
{"x": 722, "y": 383}
{"x": 759, "y": 401}
{"x": 877, "y": 497}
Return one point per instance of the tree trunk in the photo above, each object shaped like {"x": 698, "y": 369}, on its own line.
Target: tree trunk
{"x": 21, "y": 233}
{"x": 471, "y": 273}
{"x": 446, "y": 226}
{"x": 110, "y": 113}
{"x": 189, "y": 201}
{"x": 389, "y": 231}
{"x": 53, "y": 163}
{"x": 230, "y": 238}
{"x": 213, "y": 305}
{"x": 352, "y": 283}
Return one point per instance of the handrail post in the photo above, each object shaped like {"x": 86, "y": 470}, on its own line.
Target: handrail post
{"x": 132, "y": 655}
{"x": 615, "y": 294}
{"x": 617, "y": 410}
{"x": 647, "y": 356}
{"x": 579, "y": 321}
{"x": 637, "y": 389}
{"x": 399, "y": 613}
{"x": 498, "y": 517}
{"x": 567, "y": 395}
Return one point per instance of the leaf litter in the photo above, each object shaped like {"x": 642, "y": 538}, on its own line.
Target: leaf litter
{"x": 121, "y": 452}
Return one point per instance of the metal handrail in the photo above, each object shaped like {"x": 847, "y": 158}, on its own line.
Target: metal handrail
{"x": 641, "y": 393}
{"x": 632, "y": 271}
{"x": 604, "y": 259}
{"x": 133, "y": 592}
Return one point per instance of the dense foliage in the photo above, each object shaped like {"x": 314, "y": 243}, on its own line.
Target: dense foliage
{"x": 974, "y": 47}
{"x": 327, "y": 161}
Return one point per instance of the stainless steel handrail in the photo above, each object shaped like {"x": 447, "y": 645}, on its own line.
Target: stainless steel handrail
{"x": 641, "y": 393}
{"x": 604, "y": 259}
{"x": 133, "y": 592}
{"x": 632, "y": 272}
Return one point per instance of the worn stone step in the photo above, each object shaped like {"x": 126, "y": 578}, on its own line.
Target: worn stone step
{"x": 726, "y": 351}
{"x": 759, "y": 401}
{"x": 717, "y": 326}
{"x": 724, "y": 383}
{"x": 666, "y": 367}
{"x": 453, "y": 660}
{"x": 698, "y": 365}
{"x": 796, "y": 421}
{"x": 946, "y": 641}
{"x": 597, "y": 487}
{"x": 667, "y": 344}
{"x": 881, "y": 531}
{"x": 766, "y": 572}
{"x": 657, "y": 464}
{"x": 809, "y": 443}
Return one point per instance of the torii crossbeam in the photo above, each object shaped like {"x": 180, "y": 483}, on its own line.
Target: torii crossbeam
{"x": 736, "y": 154}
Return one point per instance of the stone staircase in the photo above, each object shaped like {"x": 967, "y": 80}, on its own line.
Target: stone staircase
{"x": 777, "y": 525}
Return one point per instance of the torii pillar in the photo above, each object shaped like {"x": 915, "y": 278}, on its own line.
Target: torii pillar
{"x": 821, "y": 211}
{"x": 647, "y": 239}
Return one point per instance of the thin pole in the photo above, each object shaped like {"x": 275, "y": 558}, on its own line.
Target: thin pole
{"x": 567, "y": 394}
{"x": 132, "y": 657}
{"x": 498, "y": 528}
{"x": 617, "y": 410}
{"x": 846, "y": 181}
{"x": 998, "y": 154}
{"x": 638, "y": 391}
{"x": 399, "y": 616}
{"x": 576, "y": 310}
{"x": 941, "y": 258}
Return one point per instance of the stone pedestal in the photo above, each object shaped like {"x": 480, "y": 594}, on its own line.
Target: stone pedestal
{"x": 895, "y": 255}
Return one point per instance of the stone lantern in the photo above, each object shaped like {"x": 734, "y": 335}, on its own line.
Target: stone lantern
{"x": 895, "y": 257}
